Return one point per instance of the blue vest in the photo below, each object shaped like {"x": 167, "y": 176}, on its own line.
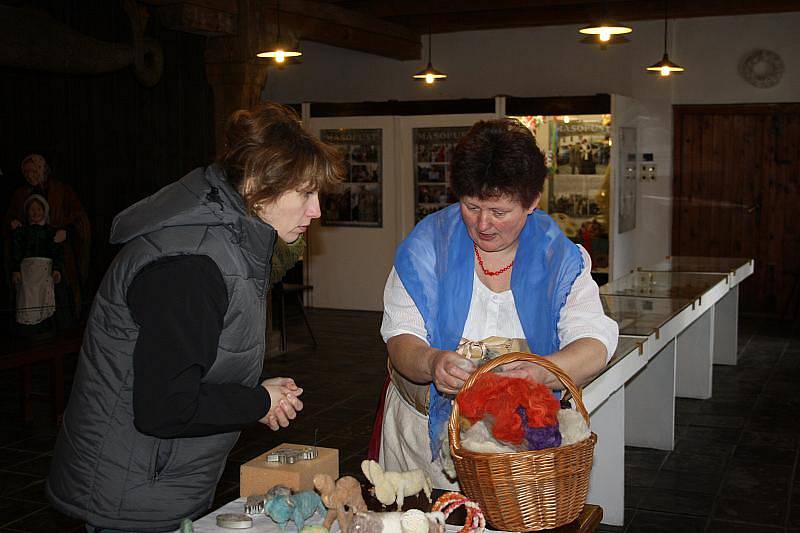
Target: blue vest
{"x": 435, "y": 263}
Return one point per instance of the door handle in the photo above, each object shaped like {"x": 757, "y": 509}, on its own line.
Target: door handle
{"x": 755, "y": 207}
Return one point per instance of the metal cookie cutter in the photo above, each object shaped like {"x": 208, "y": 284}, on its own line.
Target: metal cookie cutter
{"x": 288, "y": 455}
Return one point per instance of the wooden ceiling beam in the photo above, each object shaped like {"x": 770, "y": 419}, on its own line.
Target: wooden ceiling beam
{"x": 465, "y": 15}
{"x": 306, "y": 19}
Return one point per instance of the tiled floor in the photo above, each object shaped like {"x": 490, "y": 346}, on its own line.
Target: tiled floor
{"x": 732, "y": 470}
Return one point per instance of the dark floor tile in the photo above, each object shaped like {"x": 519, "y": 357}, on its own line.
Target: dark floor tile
{"x": 47, "y": 520}
{"x": 725, "y": 408}
{"x": 688, "y": 481}
{"x": 702, "y": 447}
{"x": 688, "y": 405}
{"x": 677, "y": 501}
{"x": 41, "y": 443}
{"x": 10, "y": 457}
{"x": 640, "y": 477}
{"x": 763, "y": 454}
{"x": 653, "y": 522}
{"x": 720, "y": 526}
{"x": 712, "y": 434}
{"x": 751, "y": 511}
{"x": 13, "y": 510}
{"x": 717, "y": 421}
{"x": 12, "y": 481}
{"x": 787, "y": 441}
{"x": 32, "y": 493}
{"x": 645, "y": 457}
{"x": 633, "y": 496}
{"x": 794, "y": 513}
{"x": 758, "y": 482}
{"x": 39, "y": 466}
{"x": 696, "y": 463}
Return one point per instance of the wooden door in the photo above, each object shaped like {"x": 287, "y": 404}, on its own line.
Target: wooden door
{"x": 735, "y": 194}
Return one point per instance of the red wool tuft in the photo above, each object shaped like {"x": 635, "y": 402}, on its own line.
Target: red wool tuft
{"x": 499, "y": 396}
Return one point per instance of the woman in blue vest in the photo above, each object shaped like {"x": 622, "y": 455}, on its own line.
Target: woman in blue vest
{"x": 490, "y": 266}
{"x": 170, "y": 369}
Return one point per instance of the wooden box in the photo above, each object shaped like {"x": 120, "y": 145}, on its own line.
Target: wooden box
{"x": 257, "y": 476}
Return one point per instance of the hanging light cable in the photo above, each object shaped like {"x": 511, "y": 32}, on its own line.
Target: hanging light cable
{"x": 429, "y": 74}
{"x": 665, "y": 67}
{"x": 282, "y": 48}
{"x": 605, "y": 28}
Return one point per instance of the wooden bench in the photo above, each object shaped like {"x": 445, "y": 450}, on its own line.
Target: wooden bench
{"x": 22, "y": 355}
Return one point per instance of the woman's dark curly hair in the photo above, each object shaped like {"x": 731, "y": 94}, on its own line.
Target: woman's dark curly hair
{"x": 498, "y": 158}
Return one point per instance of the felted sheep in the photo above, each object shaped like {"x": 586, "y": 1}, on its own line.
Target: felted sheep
{"x": 297, "y": 507}
{"x": 393, "y": 487}
{"x": 412, "y": 521}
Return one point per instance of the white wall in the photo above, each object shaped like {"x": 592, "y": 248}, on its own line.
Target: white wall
{"x": 549, "y": 61}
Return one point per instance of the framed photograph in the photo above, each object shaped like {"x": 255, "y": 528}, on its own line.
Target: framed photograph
{"x": 433, "y": 152}
{"x": 358, "y": 200}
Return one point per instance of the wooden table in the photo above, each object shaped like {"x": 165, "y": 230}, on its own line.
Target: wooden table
{"x": 22, "y": 355}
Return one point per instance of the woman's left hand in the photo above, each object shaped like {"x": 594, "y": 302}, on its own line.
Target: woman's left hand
{"x": 57, "y": 276}
{"x": 60, "y": 236}
{"x": 524, "y": 370}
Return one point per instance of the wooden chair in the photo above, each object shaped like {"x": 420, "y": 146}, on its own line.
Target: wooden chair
{"x": 282, "y": 290}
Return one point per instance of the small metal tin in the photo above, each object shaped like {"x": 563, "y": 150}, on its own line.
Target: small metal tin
{"x": 289, "y": 455}
{"x": 234, "y": 521}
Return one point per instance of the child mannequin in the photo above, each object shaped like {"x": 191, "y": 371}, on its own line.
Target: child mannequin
{"x": 37, "y": 262}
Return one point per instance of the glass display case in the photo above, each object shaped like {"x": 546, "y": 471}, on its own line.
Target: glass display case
{"x": 577, "y": 151}
{"x": 662, "y": 284}
{"x": 642, "y": 316}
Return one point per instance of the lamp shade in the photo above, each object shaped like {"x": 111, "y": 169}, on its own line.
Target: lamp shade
{"x": 665, "y": 67}
{"x": 281, "y": 50}
{"x": 430, "y": 74}
{"x": 605, "y": 29}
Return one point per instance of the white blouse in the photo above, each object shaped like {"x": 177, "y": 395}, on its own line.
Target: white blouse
{"x": 494, "y": 313}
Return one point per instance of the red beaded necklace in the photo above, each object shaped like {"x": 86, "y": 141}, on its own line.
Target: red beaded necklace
{"x": 489, "y": 272}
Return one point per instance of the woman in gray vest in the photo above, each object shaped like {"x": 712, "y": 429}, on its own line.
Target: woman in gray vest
{"x": 172, "y": 356}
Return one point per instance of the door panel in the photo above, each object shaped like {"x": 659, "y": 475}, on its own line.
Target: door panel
{"x": 735, "y": 190}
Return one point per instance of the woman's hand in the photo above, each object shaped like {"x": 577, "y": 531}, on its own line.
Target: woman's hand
{"x": 450, "y": 370}
{"x": 16, "y": 278}
{"x": 60, "y": 236}
{"x": 525, "y": 370}
{"x": 56, "y": 276}
{"x": 15, "y": 224}
{"x": 284, "y": 402}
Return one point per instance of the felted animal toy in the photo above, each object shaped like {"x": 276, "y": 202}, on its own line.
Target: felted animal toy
{"x": 297, "y": 507}
{"x": 412, "y": 521}
{"x": 393, "y": 487}
{"x": 342, "y": 499}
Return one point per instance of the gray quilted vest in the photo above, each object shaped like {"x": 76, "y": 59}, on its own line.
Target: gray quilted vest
{"x": 106, "y": 472}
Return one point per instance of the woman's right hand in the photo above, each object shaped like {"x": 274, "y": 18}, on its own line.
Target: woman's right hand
{"x": 450, "y": 370}
{"x": 16, "y": 278}
{"x": 15, "y": 224}
{"x": 284, "y": 402}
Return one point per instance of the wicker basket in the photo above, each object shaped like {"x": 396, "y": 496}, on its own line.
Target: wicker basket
{"x": 525, "y": 491}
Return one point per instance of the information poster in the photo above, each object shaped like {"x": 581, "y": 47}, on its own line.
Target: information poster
{"x": 358, "y": 200}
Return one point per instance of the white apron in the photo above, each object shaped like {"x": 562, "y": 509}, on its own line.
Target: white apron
{"x": 36, "y": 299}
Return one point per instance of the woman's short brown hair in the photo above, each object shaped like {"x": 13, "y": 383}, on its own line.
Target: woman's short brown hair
{"x": 498, "y": 158}
{"x": 269, "y": 146}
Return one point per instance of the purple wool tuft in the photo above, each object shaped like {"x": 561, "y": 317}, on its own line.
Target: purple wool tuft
{"x": 539, "y": 438}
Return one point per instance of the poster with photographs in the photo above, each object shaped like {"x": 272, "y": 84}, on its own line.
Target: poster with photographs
{"x": 433, "y": 152}
{"x": 358, "y": 200}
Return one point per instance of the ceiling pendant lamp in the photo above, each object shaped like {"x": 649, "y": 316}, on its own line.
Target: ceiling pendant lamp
{"x": 282, "y": 48}
{"x": 430, "y": 75}
{"x": 665, "y": 67}
{"x": 606, "y": 29}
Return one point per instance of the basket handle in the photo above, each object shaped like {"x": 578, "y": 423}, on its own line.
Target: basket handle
{"x": 454, "y": 425}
